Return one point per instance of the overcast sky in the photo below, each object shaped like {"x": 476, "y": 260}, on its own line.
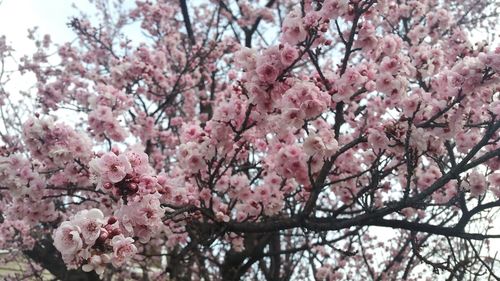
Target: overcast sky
{"x": 50, "y": 16}
{"x": 17, "y": 16}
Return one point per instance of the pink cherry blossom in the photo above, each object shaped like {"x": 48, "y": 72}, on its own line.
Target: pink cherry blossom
{"x": 89, "y": 223}
{"x": 123, "y": 249}
{"x": 288, "y": 55}
{"x": 293, "y": 28}
{"x": 477, "y": 183}
{"x": 67, "y": 239}
{"x": 112, "y": 167}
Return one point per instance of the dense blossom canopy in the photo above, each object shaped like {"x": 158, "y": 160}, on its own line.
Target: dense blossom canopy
{"x": 254, "y": 140}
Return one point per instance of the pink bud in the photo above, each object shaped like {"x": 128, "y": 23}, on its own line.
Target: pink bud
{"x": 111, "y": 220}
{"x": 103, "y": 236}
{"x": 115, "y": 232}
{"x": 133, "y": 187}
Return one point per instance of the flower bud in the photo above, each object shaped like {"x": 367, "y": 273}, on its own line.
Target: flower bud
{"x": 103, "y": 235}
{"x": 115, "y": 232}
{"x": 111, "y": 220}
{"x": 133, "y": 187}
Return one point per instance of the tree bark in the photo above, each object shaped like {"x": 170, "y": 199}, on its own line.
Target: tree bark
{"x": 45, "y": 254}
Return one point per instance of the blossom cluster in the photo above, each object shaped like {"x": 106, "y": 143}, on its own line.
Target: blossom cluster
{"x": 91, "y": 239}
{"x": 55, "y": 143}
{"x": 124, "y": 174}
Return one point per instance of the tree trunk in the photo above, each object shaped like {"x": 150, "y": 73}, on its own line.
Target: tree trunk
{"x": 45, "y": 254}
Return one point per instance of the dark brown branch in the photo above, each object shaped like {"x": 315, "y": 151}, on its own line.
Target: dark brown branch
{"x": 187, "y": 21}
{"x": 47, "y": 256}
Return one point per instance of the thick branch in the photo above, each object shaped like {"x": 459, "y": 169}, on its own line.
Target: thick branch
{"x": 187, "y": 21}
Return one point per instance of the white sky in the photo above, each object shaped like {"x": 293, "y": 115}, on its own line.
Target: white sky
{"x": 50, "y": 15}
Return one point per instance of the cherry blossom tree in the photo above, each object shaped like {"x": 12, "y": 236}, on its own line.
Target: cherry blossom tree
{"x": 257, "y": 140}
